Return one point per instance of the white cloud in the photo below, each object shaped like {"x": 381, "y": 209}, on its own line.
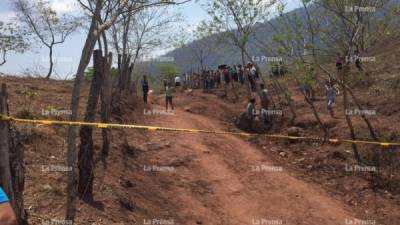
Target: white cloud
{"x": 64, "y": 6}
{"x": 60, "y": 6}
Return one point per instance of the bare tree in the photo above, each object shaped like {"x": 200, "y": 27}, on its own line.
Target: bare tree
{"x": 103, "y": 14}
{"x": 152, "y": 28}
{"x": 45, "y": 25}
{"x": 138, "y": 35}
{"x": 201, "y": 47}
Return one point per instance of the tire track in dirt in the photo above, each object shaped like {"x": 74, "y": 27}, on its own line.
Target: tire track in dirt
{"x": 220, "y": 186}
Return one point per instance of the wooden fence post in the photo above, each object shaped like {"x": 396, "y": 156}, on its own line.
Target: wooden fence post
{"x": 86, "y": 151}
{"x": 105, "y": 96}
{"x": 12, "y": 170}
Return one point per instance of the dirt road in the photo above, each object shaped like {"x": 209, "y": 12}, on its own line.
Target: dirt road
{"x": 225, "y": 180}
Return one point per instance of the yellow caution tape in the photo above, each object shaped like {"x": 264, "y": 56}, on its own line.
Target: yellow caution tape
{"x": 155, "y": 128}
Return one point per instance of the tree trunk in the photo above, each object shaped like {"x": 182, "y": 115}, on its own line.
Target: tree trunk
{"x": 278, "y": 90}
{"x": 246, "y": 75}
{"x": 105, "y": 106}
{"x": 119, "y": 64}
{"x": 125, "y": 70}
{"x": 314, "y": 110}
{"x": 274, "y": 86}
{"x": 12, "y": 171}
{"x": 85, "y": 155}
{"x": 90, "y": 43}
{"x": 348, "y": 120}
{"x": 5, "y": 172}
{"x": 4, "y": 57}
{"x": 18, "y": 174}
{"x": 376, "y": 156}
{"x": 288, "y": 99}
{"x": 129, "y": 76}
{"x": 51, "y": 62}
{"x": 133, "y": 84}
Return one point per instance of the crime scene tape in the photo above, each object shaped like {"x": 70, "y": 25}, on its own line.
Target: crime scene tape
{"x": 156, "y": 128}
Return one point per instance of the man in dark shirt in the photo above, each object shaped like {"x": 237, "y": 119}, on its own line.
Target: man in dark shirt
{"x": 145, "y": 88}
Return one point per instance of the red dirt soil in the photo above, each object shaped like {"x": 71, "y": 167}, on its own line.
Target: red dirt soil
{"x": 182, "y": 179}
{"x": 199, "y": 179}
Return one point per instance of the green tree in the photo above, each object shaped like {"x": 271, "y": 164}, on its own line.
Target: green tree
{"x": 328, "y": 28}
{"x": 12, "y": 39}
{"x": 168, "y": 71}
{"x": 89, "y": 73}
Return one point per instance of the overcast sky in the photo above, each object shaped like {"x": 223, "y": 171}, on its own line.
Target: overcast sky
{"x": 67, "y": 55}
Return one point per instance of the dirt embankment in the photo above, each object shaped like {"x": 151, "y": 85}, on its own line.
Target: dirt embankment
{"x": 183, "y": 178}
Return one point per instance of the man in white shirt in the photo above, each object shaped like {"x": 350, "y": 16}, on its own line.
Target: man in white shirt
{"x": 177, "y": 81}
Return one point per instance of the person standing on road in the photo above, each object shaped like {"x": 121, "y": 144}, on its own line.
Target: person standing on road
{"x": 145, "y": 88}
{"x": 7, "y": 215}
{"x": 264, "y": 100}
{"x": 251, "y": 76}
{"x": 217, "y": 78}
{"x": 177, "y": 81}
{"x": 241, "y": 74}
{"x": 235, "y": 76}
{"x": 339, "y": 63}
{"x": 251, "y": 109}
{"x": 226, "y": 75}
{"x": 330, "y": 97}
{"x": 168, "y": 96}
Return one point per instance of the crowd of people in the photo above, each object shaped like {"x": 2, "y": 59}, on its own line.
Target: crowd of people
{"x": 208, "y": 79}
{"x": 223, "y": 75}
